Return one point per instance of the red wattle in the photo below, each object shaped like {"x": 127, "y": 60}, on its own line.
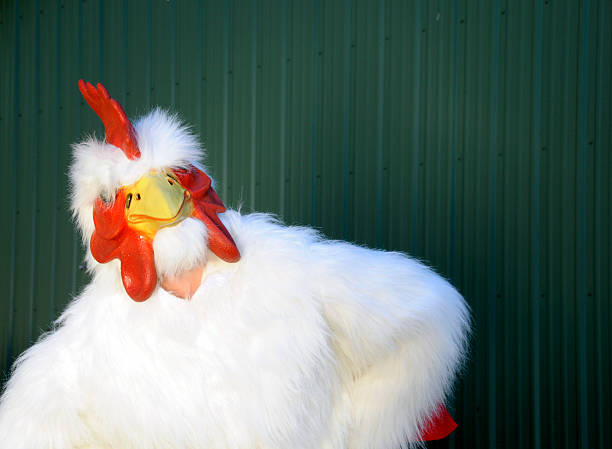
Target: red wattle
{"x": 138, "y": 267}
{"x": 113, "y": 239}
{"x": 207, "y": 205}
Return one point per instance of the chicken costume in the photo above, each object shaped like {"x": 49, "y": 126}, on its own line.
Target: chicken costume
{"x": 289, "y": 342}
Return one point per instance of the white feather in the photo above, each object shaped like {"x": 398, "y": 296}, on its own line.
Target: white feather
{"x": 303, "y": 343}
{"x": 180, "y": 248}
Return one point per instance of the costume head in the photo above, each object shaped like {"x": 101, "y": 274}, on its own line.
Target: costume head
{"x": 143, "y": 180}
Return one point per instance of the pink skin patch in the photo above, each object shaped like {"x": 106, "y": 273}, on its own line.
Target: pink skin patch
{"x": 183, "y": 285}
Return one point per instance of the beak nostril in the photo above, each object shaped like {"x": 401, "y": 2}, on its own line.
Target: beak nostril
{"x": 138, "y": 196}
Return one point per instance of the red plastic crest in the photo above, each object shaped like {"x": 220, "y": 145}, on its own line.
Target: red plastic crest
{"x": 117, "y": 127}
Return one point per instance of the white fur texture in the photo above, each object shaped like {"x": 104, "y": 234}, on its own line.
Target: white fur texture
{"x": 180, "y": 248}
{"x": 303, "y": 343}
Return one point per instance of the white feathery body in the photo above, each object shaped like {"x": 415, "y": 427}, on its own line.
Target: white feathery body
{"x": 303, "y": 343}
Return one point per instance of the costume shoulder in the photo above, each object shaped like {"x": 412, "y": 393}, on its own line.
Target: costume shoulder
{"x": 397, "y": 329}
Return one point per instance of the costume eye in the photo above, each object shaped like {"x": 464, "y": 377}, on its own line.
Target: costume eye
{"x": 128, "y": 201}
{"x": 171, "y": 179}
{"x": 138, "y": 196}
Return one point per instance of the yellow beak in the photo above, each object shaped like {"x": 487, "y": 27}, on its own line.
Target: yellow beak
{"x": 155, "y": 201}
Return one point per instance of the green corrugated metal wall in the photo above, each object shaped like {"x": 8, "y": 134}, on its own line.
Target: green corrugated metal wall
{"x": 474, "y": 135}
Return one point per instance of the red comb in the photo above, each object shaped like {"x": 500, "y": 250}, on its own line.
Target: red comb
{"x": 117, "y": 127}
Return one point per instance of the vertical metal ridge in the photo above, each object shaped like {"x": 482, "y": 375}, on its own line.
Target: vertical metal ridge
{"x": 124, "y": 55}
{"x": 492, "y": 282}
{"x": 282, "y": 109}
{"x": 422, "y": 149}
{"x": 314, "y": 116}
{"x": 523, "y": 330}
{"x": 347, "y": 118}
{"x": 535, "y": 228}
{"x": 11, "y": 311}
{"x": 34, "y": 198}
{"x": 75, "y": 240}
{"x": 435, "y": 169}
{"x": 172, "y": 67}
{"x": 581, "y": 227}
{"x": 101, "y": 34}
{"x": 253, "y": 152}
{"x": 550, "y": 252}
{"x": 467, "y": 410}
{"x": 225, "y": 106}
{"x": 225, "y": 112}
{"x": 53, "y": 259}
{"x": 509, "y": 247}
{"x": 453, "y": 145}
{"x": 567, "y": 310}
{"x": 415, "y": 129}
{"x": 453, "y": 155}
{"x": 475, "y": 227}
{"x": 302, "y": 209}
{"x": 200, "y": 64}
{"x": 399, "y": 36}
{"x": 379, "y": 124}
{"x": 600, "y": 199}
{"x": 149, "y": 63}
